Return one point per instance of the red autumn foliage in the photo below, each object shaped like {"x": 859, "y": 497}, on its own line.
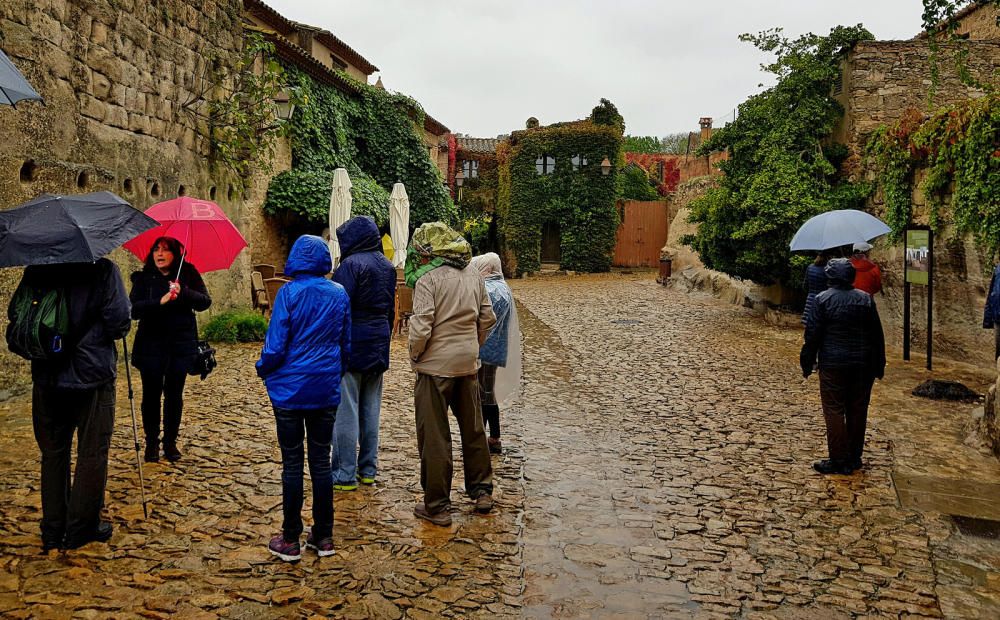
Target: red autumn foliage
{"x": 649, "y": 162}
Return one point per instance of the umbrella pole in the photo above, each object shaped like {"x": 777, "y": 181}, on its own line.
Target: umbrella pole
{"x": 135, "y": 431}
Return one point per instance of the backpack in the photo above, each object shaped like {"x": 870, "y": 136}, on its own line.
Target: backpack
{"x": 39, "y": 322}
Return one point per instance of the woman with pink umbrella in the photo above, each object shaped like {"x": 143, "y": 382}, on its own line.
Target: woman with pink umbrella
{"x": 166, "y": 293}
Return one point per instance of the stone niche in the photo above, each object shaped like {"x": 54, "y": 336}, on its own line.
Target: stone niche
{"x": 117, "y": 77}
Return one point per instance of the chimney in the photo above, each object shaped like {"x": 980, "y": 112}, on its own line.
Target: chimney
{"x": 706, "y": 127}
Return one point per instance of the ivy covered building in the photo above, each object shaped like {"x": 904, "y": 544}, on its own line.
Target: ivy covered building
{"x": 555, "y": 200}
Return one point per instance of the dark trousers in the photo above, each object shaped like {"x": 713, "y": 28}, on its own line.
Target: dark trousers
{"x": 72, "y": 509}
{"x": 845, "y": 394}
{"x": 432, "y": 396}
{"x": 488, "y": 400}
{"x": 169, "y": 386}
{"x": 294, "y": 425}
{"x": 996, "y": 341}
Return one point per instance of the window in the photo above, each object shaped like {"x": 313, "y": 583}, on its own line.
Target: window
{"x": 470, "y": 168}
{"x": 545, "y": 164}
{"x": 660, "y": 170}
{"x": 579, "y": 162}
{"x": 338, "y": 63}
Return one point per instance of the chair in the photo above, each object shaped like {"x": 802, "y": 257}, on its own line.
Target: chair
{"x": 266, "y": 271}
{"x": 258, "y": 293}
{"x": 273, "y": 285}
{"x": 404, "y": 308}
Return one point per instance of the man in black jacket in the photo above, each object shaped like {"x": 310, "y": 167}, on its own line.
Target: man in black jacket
{"x": 844, "y": 330}
{"x": 76, "y": 394}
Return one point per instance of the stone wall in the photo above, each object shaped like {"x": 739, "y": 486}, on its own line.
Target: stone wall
{"x": 116, "y": 76}
{"x": 884, "y": 79}
{"x": 981, "y": 23}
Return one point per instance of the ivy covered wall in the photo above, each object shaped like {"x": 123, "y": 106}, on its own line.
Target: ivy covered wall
{"x": 577, "y": 197}
{"x": 375, "y": 138}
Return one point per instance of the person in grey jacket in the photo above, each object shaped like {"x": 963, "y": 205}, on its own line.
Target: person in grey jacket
{"x": 75, "y": 395}
{"x": 844, "y": 331}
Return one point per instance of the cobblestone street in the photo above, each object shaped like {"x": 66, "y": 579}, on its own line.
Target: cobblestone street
{"x": 658, "y": 465}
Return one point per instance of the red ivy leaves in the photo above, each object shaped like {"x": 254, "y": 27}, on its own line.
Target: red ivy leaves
{"x": 648, "y": 162}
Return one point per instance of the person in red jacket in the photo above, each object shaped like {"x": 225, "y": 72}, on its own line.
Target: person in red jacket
{"x": 868, "y": 277}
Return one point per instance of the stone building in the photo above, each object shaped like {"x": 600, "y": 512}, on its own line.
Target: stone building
{"x": 124, "y": 84}
{"x": 882, "y": 81}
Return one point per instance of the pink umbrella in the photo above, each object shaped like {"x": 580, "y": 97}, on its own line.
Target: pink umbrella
{"x": 211, "y": 241}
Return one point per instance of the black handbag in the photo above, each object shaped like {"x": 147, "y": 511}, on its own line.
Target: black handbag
{"x": 204, "y": 360}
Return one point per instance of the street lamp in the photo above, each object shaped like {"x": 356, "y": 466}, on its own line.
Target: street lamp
{"x": 459, "y": 179}
{"x": 283, "y": 106}
{"x": 605, "y": 167}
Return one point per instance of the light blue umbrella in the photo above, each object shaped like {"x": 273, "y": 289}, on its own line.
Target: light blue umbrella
{"x": 836, "y": 228}
{"x": 13, "y": 86}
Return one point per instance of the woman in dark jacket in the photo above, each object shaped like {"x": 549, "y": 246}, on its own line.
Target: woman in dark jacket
{"x": 844, "y": 332}
{"x": 370, "y": 281}
{"x": 166, "y": 343}
{"x": 815, "y": 282}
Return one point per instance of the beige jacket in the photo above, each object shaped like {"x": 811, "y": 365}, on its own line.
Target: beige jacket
{"x": 452, "y": 316}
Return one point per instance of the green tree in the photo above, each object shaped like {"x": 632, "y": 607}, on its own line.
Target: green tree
{"x": 782, "y": 167}
{"x": 642, "y": 144}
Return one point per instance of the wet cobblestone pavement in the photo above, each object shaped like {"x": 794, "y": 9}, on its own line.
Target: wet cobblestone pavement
{"x": 656, "y": 466}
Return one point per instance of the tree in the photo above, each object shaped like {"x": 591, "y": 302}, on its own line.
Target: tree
{"x": 782, "y": 168}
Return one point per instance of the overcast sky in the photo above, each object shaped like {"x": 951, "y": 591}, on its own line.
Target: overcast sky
{"x": 482, "y": 68}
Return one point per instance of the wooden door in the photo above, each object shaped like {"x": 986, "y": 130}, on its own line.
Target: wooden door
{"x": 642, "y": 233}
{"x": 551, "y": 243}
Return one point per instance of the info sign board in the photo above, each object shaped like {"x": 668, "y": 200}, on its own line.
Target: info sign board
{"x": 918, "y": 256}
{"x": 918, "y": 269}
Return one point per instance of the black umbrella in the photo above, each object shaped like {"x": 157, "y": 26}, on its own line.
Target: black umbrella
{"x": 13, "y": 86}
{"x": 74, "y": 229}
{"x": 68, "y": 229}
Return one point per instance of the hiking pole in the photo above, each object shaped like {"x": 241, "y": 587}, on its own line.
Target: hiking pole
{"x": 135, "y": 430}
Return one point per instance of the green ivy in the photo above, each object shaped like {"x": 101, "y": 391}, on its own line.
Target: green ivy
{"x": 634, "y": 184}
{"x": 781, "y": 167}
{"x": 958, "y": 149}
{"x": 376, "y": 136}
{"x": 236, "y": 326}
{"x": 581, "y": 201}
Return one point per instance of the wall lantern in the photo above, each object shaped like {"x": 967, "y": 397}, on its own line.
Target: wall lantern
{"x": 605, "y": 167}
{"x": 283, "y": 106}
{"x": 459, "y": 179}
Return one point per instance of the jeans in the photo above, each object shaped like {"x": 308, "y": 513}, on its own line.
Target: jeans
{"x": 171, "y": 387}
{"x": 72, "y": 508}
{"x": 432, "y": 397}
{"x": 293, "y": 425}
{"x": 357, "y": 423}
{"x": 845, "y": 394}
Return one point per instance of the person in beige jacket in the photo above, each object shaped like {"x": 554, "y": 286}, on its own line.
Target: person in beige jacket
{"x": 452, "y": 317}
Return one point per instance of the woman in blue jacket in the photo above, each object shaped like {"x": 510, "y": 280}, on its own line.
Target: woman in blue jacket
{"x": 309, "y": 335}
{"x": 991, "y": 315}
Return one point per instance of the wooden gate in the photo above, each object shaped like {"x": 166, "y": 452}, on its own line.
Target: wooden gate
{"x": 642, "y": 233}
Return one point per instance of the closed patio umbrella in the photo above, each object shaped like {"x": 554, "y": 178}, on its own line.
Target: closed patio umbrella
{"x": 340, "y": 209}
{"x": 13, "y": 86}
{"x": 399, "y": 223}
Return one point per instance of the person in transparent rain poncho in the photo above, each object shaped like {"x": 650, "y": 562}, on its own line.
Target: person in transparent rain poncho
{"x": 500, "y": 373}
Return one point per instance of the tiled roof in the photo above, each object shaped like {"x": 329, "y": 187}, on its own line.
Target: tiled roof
{"x": 477, "y": 145}
{"x": 286, "y": 27}
{"x": 434, "y": 126}
{"x": 292, "y": 53}
{"x": 345, "y": 51}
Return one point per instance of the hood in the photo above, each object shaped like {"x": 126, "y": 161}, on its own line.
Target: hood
{"x": 840, "y": 273}
{"x": 309, "y": 255}
{"x": 358, "y": 234}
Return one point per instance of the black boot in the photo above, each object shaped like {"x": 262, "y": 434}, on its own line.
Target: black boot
{"x": 152, "y": 454}
{"x": 101, "y": 534}
{"x": 170, "y": 451}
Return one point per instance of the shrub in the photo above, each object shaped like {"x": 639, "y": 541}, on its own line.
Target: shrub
{"x": 236, "y": 326}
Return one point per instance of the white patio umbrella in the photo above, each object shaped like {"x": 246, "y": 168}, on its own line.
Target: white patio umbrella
{"x": 340, "y": 209}
{"x": 399, "y": 223}
{"x": 836, "y": 228}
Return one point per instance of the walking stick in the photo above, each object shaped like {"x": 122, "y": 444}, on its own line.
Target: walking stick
{"x": 135, "y": 430}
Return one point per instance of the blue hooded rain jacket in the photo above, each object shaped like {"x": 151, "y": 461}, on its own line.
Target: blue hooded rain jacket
{"x": 309, "y": 333}
{"x": 370, "y": 281}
